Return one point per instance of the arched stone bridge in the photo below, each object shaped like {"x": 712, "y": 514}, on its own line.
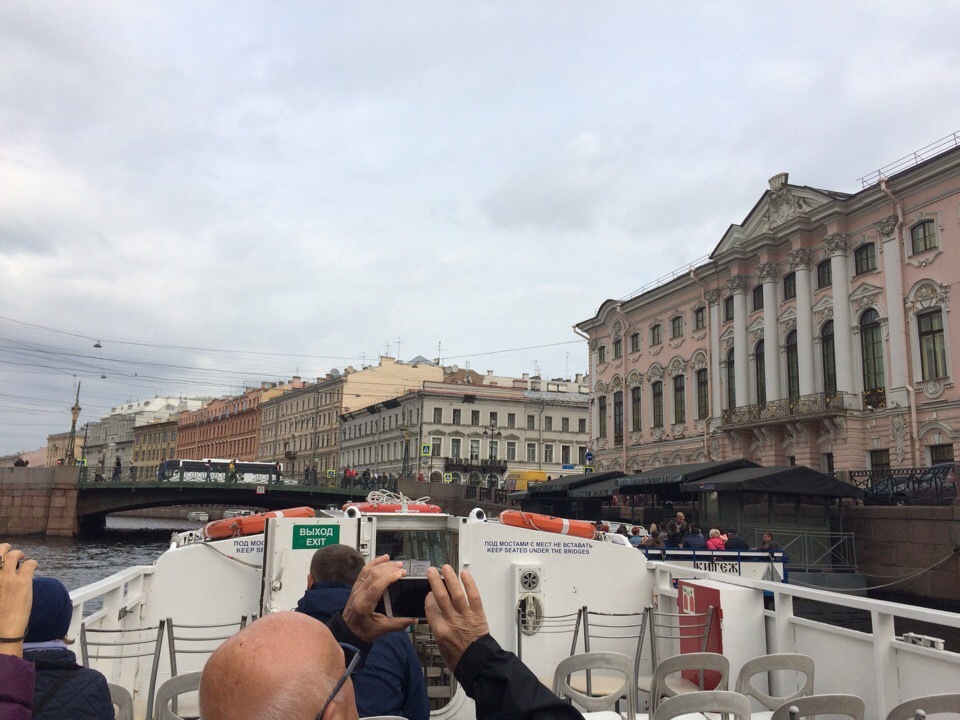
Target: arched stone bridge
{"x": 53, "y": 501}
{"x": 96, "y": 500}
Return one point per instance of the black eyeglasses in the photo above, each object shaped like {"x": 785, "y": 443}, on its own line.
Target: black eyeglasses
{"x": 351, "y": 656}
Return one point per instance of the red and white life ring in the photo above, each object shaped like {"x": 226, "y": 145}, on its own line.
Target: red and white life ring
{"x": 250, "y": 524}
{"x": 548, "y": 523}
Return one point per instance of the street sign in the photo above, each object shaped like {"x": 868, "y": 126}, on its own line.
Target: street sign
{"x": 448, "y": 477}
{"x": 587, "y": 469}
{"x": 331, "y": 473}
{"x": 588, "y": 456}
{"x": 261, "y": 489}
{"x": 425, "y": 449}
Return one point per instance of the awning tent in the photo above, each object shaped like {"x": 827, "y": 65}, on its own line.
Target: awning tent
{"x": 656, "y": 480}
{"x": 562, "y": 485}
{"x": 790, "y": 480}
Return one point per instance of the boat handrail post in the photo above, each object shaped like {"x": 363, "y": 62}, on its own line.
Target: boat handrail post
{"x": 886, "y": 678}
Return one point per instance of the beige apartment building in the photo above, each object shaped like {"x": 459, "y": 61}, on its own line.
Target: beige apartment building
{"x": 155, "y": 441}
{"x": 58, "y": 444}
{"x": 301, "y": 428}
{"x": 472, "y": 432}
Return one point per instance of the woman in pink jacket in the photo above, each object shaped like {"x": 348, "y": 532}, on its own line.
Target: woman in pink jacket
{"x": 715, "y": 542}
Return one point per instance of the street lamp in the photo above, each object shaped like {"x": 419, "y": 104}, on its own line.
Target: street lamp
{"x": 492, "y": 434}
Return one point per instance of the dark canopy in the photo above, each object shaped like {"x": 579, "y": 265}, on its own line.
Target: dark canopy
{"x": 562, "y": 484}
{"x": 792, "y": 480}
{"x": 653, "y": 480}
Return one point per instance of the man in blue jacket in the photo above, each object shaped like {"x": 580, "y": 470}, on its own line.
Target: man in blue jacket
{"x": 391, "y": 679}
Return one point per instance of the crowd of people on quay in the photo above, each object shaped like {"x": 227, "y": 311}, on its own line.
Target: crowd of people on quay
{"x": 678, "y": 534}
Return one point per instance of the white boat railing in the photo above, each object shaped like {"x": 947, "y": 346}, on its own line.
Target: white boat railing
{"x": 120, "y": 596}
{"x": 846, "y": 659}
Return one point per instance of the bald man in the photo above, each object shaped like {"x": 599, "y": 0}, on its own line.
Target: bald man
{"x": 284, "y": 665}
{"x": 288, "y": 665}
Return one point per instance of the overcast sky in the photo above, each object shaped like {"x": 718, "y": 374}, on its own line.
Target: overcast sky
{"x": 224, "y": 193}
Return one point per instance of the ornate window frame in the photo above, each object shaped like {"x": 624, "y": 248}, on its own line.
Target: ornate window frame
{"x": 924, "y": 296}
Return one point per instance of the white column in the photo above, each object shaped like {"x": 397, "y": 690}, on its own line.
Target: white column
{"x": 716, "y": 390}
{"x": 896, "y": 322}
{"x": 741, "y": 356}
{"x": 843, "y": 330}
{"x": 800, "y": 264}
{"x": 769, "y": 274}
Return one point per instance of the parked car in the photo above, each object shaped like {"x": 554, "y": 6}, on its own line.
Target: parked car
{"x": 935, "y": 485}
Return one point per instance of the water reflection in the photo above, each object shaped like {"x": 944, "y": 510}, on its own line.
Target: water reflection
{"x": 126, "y": 541}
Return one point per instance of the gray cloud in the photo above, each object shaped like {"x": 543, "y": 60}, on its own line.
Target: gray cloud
{"x": 302, "y": 183}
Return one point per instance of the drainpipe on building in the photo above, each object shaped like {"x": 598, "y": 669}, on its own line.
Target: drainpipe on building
{"x": 543, "y": 406}
{"x": 626, "y": 370}
{"x": 589, "y": 375}
{"x": 706, "y": 420}
{"x": 898, "y": 230}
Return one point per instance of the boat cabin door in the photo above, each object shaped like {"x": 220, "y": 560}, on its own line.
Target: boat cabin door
{"x": 289, "y": 544}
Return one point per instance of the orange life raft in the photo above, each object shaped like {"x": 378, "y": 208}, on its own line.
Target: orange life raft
{"x": 412, "y": 507}
{"x": 548, "y": 523}
{"x": 250, "y": 524}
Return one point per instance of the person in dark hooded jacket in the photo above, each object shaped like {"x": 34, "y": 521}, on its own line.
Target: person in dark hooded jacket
{"x": 391, "y": 679}
{"x": 64, "y": 690}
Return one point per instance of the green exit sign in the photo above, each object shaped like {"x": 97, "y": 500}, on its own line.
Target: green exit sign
{"x": 313, "y": 537}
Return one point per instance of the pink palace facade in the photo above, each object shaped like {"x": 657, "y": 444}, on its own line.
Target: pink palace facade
{"x": 818, "y": 333}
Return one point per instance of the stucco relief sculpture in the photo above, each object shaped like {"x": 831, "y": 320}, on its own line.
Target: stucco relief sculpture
{"x": 823, "y": 315}
{"x": 799, "y": 259}
{"x": 886, "y": 226}
{"x": 899, "y": 428}
{"x": 782, "y": 205}
{"x": 739, "y": 284}
{"x": 933, "y": 388}
{"x": 715, "y": 448}
{"x": 713, "y": 297}
{"x": 768, "y": 272}
{"x": 927, "y": 295}
{"x": 837, "y": 244}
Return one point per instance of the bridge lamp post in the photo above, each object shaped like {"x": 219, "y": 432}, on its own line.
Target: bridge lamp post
{"x": 492, "y": 434}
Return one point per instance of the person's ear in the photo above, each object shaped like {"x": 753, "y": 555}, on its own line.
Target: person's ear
{"x": 309, "y": 581}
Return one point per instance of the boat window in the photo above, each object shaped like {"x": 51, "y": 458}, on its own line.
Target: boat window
{"x": 430, "y": 545}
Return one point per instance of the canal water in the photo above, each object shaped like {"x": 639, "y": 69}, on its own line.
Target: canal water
{"x": 128, "y": 541}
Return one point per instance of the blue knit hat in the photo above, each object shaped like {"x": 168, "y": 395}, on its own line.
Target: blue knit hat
{"x": 51, "y": 611}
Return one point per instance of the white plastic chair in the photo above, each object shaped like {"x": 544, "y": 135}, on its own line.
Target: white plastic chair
{"x": 766, "y": 664}
{"x": 171, "y": 689}
{"x": 675, "y": 627}
{"x": 666, "y": 681}
{"x": 812, "y": 705}
{"x": 707, "y": 701}
{"x": 605, "y": 661}
{"x": 122, "y": 701}
{"x": 921, "y": 707}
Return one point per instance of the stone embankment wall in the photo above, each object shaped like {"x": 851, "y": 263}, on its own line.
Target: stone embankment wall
{"x": 897, "y": 542}
{"x": 38, "y": 501}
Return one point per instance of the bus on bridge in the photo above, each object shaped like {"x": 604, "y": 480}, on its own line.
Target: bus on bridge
{"x": 220, "y": 470}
